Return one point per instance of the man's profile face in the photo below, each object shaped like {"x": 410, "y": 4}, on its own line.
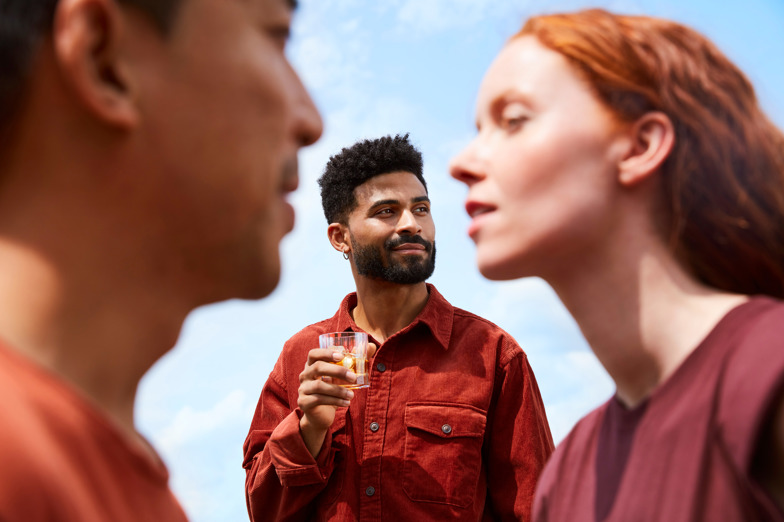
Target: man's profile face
{"x": 225, "y": 115}
{"x": 392, "y": 231}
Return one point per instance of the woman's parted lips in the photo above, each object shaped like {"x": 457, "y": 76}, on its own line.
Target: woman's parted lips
{"x": 474, "y": 208}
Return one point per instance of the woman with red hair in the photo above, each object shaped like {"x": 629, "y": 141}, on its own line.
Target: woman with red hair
{"x": 625, "y": 160}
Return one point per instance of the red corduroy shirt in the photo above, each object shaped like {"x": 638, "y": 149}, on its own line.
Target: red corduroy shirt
{"x": 451, "y": 428}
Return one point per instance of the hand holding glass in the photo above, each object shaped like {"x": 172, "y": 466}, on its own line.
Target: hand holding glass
{"x": 354, "y": 347}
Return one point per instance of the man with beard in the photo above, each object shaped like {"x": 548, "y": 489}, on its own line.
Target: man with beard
{"x": 452, "y": 426}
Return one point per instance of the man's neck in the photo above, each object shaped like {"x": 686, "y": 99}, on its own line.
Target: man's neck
{"x": 83, "y": 289}
{"x": 383, "y": 308}
{"x": 102, "y": 343}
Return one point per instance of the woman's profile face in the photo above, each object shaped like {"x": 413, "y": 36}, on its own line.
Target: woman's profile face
{"x": 542, "y": 169}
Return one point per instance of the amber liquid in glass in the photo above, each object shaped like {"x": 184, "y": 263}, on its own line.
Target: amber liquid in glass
{"x": 358, "y": 365}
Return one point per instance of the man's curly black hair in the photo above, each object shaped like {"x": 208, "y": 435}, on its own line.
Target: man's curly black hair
{"x": 364, "y": 160}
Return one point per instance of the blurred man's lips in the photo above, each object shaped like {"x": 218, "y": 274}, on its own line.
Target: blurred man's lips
{"x": 290, "y": 177}
{"x": 289, "y": 217}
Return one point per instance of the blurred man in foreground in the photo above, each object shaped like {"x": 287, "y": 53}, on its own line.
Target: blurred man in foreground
{"x": 146, "y": 149}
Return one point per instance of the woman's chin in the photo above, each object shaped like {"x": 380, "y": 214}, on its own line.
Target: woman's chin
{"x": 499, "y": 271}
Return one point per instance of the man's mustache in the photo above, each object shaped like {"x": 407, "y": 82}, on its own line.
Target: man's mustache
{"x": 391, "y": 244}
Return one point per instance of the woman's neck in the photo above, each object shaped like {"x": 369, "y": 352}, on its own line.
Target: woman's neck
{"x": 642, "y": 314}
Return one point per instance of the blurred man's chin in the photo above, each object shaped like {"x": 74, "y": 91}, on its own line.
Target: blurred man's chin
{"x": 268, "y": 283}
{"x": 262, "y": 281}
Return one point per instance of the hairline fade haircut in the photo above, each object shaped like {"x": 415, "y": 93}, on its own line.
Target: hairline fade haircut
{"x": 355, "y": 165}
{"x": 723, "y": 183}
{"x": 24, "y": 24}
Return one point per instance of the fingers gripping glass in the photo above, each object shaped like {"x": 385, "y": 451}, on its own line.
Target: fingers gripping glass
{"x": 354, "y": 347}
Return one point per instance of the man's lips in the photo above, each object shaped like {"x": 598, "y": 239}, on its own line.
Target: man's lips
{"x": 290, "y": 175}
{"x": 290, "y": 216}
{"x": 406, "y": 247}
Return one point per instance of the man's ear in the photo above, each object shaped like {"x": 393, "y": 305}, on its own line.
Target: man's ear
{"x": 652, "y": 140}
{"x": 87, "y": 46}
{"x": 339, "y": 237}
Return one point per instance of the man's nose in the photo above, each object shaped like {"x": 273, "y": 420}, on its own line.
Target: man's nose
{"x": 408, "y": 223}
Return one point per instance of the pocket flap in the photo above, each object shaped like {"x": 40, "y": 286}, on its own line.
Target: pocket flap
{"x": 446, "y": 420}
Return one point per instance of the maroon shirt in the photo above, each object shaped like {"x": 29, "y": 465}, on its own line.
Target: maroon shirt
{"x": 451, "y": 428}
{"x": 686, "y": 453}
{"x": 63, "y": 460}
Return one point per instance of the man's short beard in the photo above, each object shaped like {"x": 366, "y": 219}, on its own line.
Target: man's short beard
{"x": 369, "y": 260}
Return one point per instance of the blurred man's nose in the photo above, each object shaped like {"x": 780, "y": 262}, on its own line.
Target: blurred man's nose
{"x": 310, "y": 126}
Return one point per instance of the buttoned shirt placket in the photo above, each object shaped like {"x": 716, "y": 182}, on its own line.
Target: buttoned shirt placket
{"x": 376, "y": 412}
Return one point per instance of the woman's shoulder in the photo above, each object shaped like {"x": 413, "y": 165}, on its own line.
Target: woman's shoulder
{"x": 756, "y": 337}
{"x": 752, "y": 379}
{"x": 760, "y": 315}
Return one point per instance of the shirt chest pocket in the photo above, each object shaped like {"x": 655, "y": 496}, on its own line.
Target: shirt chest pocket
{"x": 443, "y": 452}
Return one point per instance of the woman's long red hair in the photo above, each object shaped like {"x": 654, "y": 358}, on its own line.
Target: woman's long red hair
{"x": 724, "y": 180}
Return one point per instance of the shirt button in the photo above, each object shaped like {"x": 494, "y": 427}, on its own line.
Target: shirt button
{"x": 374, "y": 427}
{"x": 381, "y": 367}
{"x": 370, "y": 491}
{"x": 446, "y": 428}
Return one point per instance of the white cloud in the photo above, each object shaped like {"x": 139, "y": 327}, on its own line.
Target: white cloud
{"x": 589, "y": 384}
{"x": 438, "y": 15}
{"x": 331, "y": 58}
{"x": 190, "y": 424}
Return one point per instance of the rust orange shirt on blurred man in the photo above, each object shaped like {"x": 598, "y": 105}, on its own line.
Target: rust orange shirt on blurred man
{"x": 82, "y": 467}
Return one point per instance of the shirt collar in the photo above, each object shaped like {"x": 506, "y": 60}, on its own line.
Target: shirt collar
{"x": 437, "y": 315}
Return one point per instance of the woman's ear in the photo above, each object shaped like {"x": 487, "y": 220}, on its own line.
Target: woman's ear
{"x": 339, "y": 238}
{"x": 88, "y": 48}
{"x": 653, "y": 137}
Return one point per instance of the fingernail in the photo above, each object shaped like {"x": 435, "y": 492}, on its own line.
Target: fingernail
{"x": 351, "y": 376}
{"x": 350, "y": 394}
{"x": 337, "y": 356}
{"x": 345, "y": 403}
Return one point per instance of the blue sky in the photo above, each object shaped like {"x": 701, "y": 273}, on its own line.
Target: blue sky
{"x": 377, "y": 68}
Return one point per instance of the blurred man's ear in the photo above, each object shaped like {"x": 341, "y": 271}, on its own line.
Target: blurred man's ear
{"x": 652, "y": 140}
{"x": 87, "y": 39}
